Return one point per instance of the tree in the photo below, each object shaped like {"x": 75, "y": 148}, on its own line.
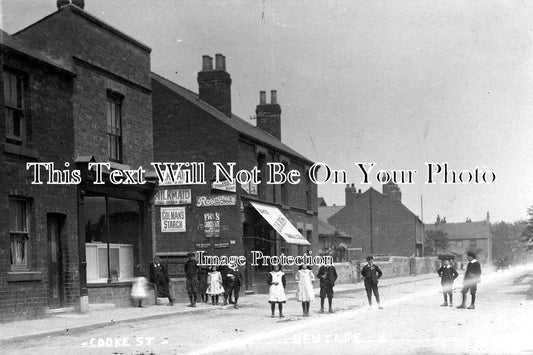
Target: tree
{"x": 435, "y": 241}
{"x": 527, "y": 234}
{"x": 507, "y": 240}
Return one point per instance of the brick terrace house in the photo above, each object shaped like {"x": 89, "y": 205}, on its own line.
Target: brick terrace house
{"x": 100, "y": 112}
{"x": 225, "y": 219}
{"x": 465, "y": 236}
{"x": 38, "y": 245}
{"x": 379, "y": 222}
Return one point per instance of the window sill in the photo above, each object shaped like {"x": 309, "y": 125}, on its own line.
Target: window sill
{"x": 21, "y": 276}
{"x": 93, "y": 284}
{"x": 20, "y": 150}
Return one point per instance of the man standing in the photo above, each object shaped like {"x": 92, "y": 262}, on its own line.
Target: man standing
{"x": 191, "y": 279}
{"x": 159, "y": 277}
{"x": 371, "y": 273}
{"x": 327, "y": 276}
{"x": 472, "y": 278}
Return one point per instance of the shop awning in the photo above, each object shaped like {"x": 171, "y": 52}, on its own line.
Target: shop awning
{"x": 280, "y": 223}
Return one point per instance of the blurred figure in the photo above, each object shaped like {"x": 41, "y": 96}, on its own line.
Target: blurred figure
{"x": 472, "y": 278}
{"x": 159, "y": 277}
{"x": 447, "y": 275}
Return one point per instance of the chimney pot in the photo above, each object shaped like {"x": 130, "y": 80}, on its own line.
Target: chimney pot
{"x": 61, "y": 3}
{"x": 273, "y": 97}
{"x": 262, "y": 97}
{"x": 353, "y": 185}
{"x": 207, "y": 62}
{"x": 79, "y": 3}
{"x": 220, "y": 62}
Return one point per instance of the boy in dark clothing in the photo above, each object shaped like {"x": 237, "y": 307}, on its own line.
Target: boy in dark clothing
{"x": 327, "y": 276}
{"x": 191, "y": 279}
{"x": 232, "y": 284}
{"x": 371, "y": 273}
{"x": 159, "y": 277}
{"x": 472, "y": 278}
{"x": 447, "y": 275}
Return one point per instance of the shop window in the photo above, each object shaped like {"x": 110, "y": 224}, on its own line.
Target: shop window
{"x": 112, "y": 238}
{"x": 14, "y": 107}
{"x": 114, "y": 127}
{"x": 18, "y": 233}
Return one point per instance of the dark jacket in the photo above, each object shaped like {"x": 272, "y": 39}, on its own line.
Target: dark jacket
{"x": 330, "y": 274}
{"x": 473, "y": 272}
{"x": 371, "y": 273}
{"x": 237, "y": 278}
{"x": 158, "y": 272}
{"x": 447, "y": 275}
{"x": 191, "y": 269}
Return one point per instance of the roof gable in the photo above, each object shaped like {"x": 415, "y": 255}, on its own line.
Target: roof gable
{"x": 464, "y": 230}
{"x": 235, "y": 122}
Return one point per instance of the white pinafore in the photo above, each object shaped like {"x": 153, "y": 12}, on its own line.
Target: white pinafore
{"x": 276, "y": 293}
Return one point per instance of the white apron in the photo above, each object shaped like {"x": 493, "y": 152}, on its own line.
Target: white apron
{"x": 276, "y": 293}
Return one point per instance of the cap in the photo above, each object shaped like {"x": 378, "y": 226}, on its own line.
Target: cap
{"x": 191, "y": 254}
{"x": 370, "y": 257}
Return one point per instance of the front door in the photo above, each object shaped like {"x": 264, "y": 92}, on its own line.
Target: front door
{"x": 55, "y": 292}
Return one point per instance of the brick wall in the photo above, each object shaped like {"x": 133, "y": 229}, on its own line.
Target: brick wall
{"x": 49, "y": 114}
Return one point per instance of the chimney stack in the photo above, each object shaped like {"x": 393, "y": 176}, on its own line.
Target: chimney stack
{"x": 392, "y": 191}
{"x": 350, "y": 194}
{"x": 215, "y": 84}
{"x": 269, "y": 115}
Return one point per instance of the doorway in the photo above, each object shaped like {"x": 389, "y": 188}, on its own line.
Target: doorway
{"x": 55, "y": 223}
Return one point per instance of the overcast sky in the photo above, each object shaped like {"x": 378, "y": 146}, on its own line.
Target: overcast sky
{"x": 399, "y": 83}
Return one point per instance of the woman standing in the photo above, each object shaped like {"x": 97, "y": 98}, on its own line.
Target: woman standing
{"x": 215, "y": 289}
{"x": 305, "y": 292}
{"x": 276, "y": 293}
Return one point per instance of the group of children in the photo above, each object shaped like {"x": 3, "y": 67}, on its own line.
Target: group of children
{"x": 227, "y": 283}
{"x": 472, "y": 276}
{"x": 305, "y": 291}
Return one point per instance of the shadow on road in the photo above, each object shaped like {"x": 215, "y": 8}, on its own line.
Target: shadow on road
{"x": 525, "y": 280}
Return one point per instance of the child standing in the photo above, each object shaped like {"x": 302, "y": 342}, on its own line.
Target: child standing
{"x": 276, "y": 293}
{"x": 305, "y": 292}
{"x": 215, "y": 289}
{"x": 447, "y": 275}
{"x": 139, "y": 289}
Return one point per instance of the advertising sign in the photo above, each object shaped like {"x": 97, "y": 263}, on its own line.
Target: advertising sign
{"x": 173, "y": 219}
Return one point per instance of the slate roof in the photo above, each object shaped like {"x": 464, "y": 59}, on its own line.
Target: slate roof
{"x": 235, "y": 122}
{"x": 327, "y": 211}
{"x": 10, "y": 42}
{"x": 464, "y": 230}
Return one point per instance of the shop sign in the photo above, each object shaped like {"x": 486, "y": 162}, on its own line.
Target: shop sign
{"x": 173, "y": 197}
{"x": 216, "y": 200}
{"x": 221, "y": 245}
{"x": 212, "y": 224}
{"x": 224, "y": 186}
{"x": 173, "y": 219}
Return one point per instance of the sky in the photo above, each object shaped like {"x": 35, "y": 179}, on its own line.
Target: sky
{"x": 397, "y": 83}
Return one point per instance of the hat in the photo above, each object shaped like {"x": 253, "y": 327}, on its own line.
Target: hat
{"x": 191, "y": 254}
{"x": 370, "y": 257}
{"x": 471, "y": 254}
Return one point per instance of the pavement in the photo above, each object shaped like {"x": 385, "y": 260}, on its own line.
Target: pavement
{"x": 75, "y": 323}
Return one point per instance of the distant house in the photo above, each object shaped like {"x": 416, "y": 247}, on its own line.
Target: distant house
{"x": 332, "y": 240}
{"x": 466, "y": 236}
{"x": 378, "y": 222}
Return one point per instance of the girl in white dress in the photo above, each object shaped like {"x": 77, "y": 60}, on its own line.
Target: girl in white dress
{"x": 305, "y": 292}
{"x": 215, "y": 288}
{"x": 276, "y": 293}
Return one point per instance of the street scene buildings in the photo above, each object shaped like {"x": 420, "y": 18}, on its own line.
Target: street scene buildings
{"x": 110, "y": 170}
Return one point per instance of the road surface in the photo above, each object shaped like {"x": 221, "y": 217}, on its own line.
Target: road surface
{"x": 412, "y": 322}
